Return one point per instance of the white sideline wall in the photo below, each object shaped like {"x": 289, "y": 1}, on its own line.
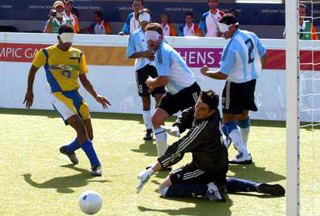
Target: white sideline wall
{"x": 117, "y": 83}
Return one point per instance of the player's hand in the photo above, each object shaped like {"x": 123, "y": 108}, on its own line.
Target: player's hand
{"x": 149, "y": 81}
{"x": 28, "y": 99}
{"x": 204, "y": 69}
{"x": 104, "y": 101}
{"x": 143, "y": 178}
{"x": 149, "y": 55}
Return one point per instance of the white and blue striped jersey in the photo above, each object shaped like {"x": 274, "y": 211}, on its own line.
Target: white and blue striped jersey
{"x": 137, "y": 43}
{"x": 241, "y": 57}
{"x": 169, "y": 63}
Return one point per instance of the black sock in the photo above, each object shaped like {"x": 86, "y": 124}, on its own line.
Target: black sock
{"x": 186, "y": 190}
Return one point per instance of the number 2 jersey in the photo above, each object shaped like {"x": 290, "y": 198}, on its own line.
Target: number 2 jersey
{"x": 241, "y": 57}
{"x": 62, "y": 67}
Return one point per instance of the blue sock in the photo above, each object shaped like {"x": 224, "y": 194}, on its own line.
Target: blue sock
{"x": 186, "y": 190}
{"x": 87, "y": 147}
{"x": 244, "y": 123}
{"x": 235, "y": 185}
{"x": 72, "y": 147}
{"x": 228, "y": 127}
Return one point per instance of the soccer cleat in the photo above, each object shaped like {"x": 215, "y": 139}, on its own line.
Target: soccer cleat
{"x": 148, "y": 135}
{"x": 241, "y": 159}
{"x": 213, "y": 193}
{"x": 72, "y": 156}
{"x": 270, "y": 189}
{"x": 143, "y": 178}
{"x": 96, "y": 171}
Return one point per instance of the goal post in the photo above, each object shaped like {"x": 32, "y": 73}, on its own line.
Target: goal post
{"x": 292, "y": 104}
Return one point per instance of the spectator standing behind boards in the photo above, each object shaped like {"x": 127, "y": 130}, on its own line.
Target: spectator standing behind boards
{"x": 99, "y": 26}
{"x": 167, "y": 26}
{"x": 56, "y": 18}
{"x": 307, "y": 30}
{"x": 208, "y": 25}
{"x": 71, "y": 17}
{"x": 189, "y": 28}
{"x": 132, "y": 22}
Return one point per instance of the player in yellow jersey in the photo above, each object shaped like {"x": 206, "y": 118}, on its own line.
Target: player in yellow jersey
{"x": 64, "y": 65}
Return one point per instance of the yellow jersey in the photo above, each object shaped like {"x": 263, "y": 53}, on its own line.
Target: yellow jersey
{"x": 62, "y": 67}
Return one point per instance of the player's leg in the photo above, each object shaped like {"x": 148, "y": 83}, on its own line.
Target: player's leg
{"x": 158, "y": 118}
{"x": 244, "y": 124}
{"x": 231, "y": 106}
{"x": 88, "y": 125}
{"x": 141, "y": 77}
{"x": 235, "y": 185}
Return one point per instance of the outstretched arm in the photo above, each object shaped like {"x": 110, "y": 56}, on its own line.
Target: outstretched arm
{"x": 213, "y": 74}
{"x": 28, "y": 99}
{"x": 88, "y": 86}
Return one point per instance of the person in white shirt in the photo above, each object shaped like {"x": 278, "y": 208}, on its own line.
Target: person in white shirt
{"x": 241, "y": 63}
{"x": 208, "y": 25}
{"x": 189, "y": 28}
{"x": 173, "y": 73}
{"x": 167, "y": 26}
{"x": 139, "y": 50}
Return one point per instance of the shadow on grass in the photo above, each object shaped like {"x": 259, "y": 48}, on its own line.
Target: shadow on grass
{"x": 64, "y": 184}
{"x": 148, "y": 148}
{"x": 268, "y": 123}
{"x": 254, "y": 173}
{"x": 202, "y": 207}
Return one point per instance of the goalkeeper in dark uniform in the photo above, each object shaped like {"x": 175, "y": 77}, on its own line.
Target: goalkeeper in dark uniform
{"x": 206, "y": 174}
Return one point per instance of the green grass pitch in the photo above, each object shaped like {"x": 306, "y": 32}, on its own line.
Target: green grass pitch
{"x": 35, "y": 179}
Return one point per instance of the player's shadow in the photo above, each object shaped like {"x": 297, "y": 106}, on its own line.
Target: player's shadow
{"x": 148, "y": 148}
{"x": 252, "y": 172}
{"x": 202, "y": 207}
{"x": 66, "y": 183}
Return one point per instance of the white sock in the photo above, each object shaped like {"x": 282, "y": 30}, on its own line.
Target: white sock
{"x": 161, "y": 138}
{"x": 245, "y": 135}
{"x": 147, "y": 119}
{"x": 237, "y": 141}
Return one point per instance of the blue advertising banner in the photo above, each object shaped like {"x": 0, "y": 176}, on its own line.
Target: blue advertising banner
{"x": 117, "y": 11}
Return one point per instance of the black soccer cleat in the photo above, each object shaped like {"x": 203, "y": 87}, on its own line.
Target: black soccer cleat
{"x": 72, "y": 156}
{"x": 271, "y": 189}
{"x": 148, "y": 135}
{"x": 96, "y": 171}
{"x": 241, "y": 159}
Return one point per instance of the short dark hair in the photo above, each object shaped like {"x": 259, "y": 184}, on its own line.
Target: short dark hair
{"x": 66, "y": 29}
{"x": 188, "y": 14}
{"x": 136, "y": 0}
{"x": 228, "y": 19}
{"x": 303, "y": 6}
{"x": 155, "y": 27}
{"x": 98, "y": 13}
{"x": 165, "y": 14}
{"x": 235, "y": 11}
{"x": 210, "y": 98}
{"x": 144, "y": 10}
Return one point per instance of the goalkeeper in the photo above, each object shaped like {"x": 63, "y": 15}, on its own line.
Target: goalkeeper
{"x": 206, "y": 174}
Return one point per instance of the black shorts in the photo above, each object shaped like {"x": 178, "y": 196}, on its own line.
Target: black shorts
{"x": 190, "y": 174}
{"x": 184, "y": 99}
{"x": 141, "y": 77}
{"x": 237, "y": 97}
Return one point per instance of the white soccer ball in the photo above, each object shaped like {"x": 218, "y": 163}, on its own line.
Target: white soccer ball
{"x": 90, "y": 202}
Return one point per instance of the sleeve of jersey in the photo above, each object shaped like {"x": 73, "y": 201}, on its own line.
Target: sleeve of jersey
{"x": 163, "y": 63}
{"x": 83, "y": 65}
{"x": 189, "y": 142}
{"x": 202, "y": 23}
{"x": 227, "y": 64}
{"x": 131, "y": 47}
{"x": 126, "y": 27}
{"x": 184, "y": 121}
{"x": 261, "y": 49}
{"x": 39, "y": 59}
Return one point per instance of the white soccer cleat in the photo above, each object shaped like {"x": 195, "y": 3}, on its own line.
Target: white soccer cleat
{"x": 241, "y": 159}
{"x": 143, "y": 178}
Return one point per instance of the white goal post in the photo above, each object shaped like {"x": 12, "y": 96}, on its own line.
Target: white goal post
{"x": 292, "y": 115}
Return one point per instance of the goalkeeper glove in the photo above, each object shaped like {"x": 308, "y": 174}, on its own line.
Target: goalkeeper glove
{"x": 143, "y": 178}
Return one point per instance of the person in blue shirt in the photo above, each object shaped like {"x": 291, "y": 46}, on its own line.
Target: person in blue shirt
{"x": 173, "y": 73}
{"x": 139, "y": 50}
{"x": 241, "y": 63}
{"x": 132, "y": 22}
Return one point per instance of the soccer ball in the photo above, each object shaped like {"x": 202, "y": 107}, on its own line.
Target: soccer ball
{"x": 90, "y": 202}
